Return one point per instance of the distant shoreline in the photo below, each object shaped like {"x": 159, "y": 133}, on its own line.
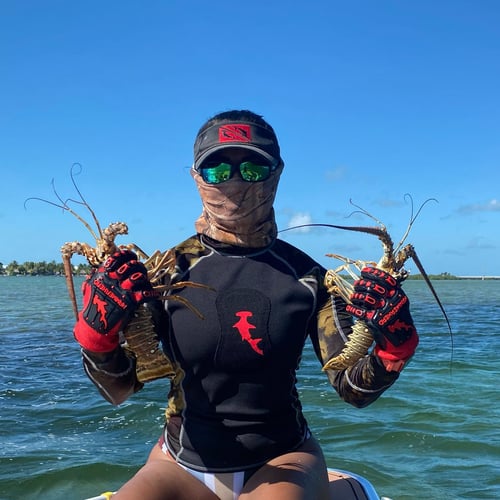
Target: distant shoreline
{"x": 416, "y": 277}
{"x": 482, "y": 278}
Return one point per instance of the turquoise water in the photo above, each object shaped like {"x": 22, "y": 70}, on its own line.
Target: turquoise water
{"x": 435, "y": 434}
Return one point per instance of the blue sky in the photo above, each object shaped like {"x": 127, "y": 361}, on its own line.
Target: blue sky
{"x": 371, "y": 100}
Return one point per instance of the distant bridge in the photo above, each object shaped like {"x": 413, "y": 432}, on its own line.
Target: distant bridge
{"x": 479, "y": 277}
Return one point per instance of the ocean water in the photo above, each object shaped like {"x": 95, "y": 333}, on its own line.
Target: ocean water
{"x": 435, "y": 434}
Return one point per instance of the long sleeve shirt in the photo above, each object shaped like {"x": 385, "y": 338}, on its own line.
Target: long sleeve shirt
{"x": 233, "y": 402}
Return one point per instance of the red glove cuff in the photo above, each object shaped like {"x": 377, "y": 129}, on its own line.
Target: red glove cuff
{"x": 394, "y": 357}
{"x": 93, "y": 341}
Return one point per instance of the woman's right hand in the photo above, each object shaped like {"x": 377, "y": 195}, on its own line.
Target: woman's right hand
{"x": 111, "y": 294}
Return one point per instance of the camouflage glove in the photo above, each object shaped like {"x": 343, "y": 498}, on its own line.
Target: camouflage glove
{"x": 111, "y": 294}
{"x": 380, "y": 302}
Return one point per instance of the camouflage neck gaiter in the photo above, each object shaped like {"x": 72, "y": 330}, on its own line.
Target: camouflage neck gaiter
{"x": 237, "y": 212}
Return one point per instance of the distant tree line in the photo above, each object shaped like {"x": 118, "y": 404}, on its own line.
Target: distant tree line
{"x": 43, "y": 268}
{"x": 433, "y": 277}
{"x": 54, "y": 268}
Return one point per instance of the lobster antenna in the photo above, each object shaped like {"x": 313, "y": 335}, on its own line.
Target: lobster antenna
{"x": 84, "y": 201}
{"x": 410, "y": 223}
{"x": 413, "y": 218}
{"x": 361, "y": 210}
{"x": 63, "y": 206}
{"x": 376, "y": 231}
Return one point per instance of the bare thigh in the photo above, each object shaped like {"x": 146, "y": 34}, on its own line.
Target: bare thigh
{"x": 162, "y": 479}
{"x": 300, "y": 475}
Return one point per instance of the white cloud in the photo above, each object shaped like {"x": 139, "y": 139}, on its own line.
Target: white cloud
{"x": 299, "y": 219}
{"x": 336, "y": 174}
{"x": 489, "y": 206}
{"x": 493, "y": 206}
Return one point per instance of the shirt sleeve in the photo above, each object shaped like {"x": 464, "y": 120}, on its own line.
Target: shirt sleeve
{"x": 362, "y": 383}
{"x": 113, "y": 374}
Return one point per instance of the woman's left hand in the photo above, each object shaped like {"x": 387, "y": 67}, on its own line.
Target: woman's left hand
{"x": 380, "y": 302}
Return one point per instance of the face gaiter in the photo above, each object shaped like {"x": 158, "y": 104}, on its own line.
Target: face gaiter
{"x": 237, "y": 212}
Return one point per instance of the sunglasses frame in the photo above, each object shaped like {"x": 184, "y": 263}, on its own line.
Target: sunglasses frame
{"x": 235, "y": 168}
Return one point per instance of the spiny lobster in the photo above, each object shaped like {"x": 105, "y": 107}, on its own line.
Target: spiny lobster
{"x": 140, "y": 334}
{"x": 392, "y": 262}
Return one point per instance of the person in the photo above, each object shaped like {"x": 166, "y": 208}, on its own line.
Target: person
{"x": 234, "y": 422}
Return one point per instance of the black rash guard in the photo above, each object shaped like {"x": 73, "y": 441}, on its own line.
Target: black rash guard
{"x": 240, "y": 404}
{"x": 233, "y": 402}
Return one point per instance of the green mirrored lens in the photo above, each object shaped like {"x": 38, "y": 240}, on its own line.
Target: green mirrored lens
{"x": 221, "y": 172}
{"x": 251, "y": 172}
{"x": 216, "y": 174}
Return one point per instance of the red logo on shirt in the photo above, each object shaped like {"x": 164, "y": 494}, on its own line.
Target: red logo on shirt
{"x": 244, "y": 327}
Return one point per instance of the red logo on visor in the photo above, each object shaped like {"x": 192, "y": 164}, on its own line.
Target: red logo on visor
{"x": 235, "y": 133}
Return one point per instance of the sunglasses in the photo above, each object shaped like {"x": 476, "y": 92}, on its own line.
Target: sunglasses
{"x": 222, "y": 172}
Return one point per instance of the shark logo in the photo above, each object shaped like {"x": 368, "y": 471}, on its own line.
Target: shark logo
{"x": 101, "y": 309}
{"x": 400, "y": 325}
{"x": 244, "y": 327}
